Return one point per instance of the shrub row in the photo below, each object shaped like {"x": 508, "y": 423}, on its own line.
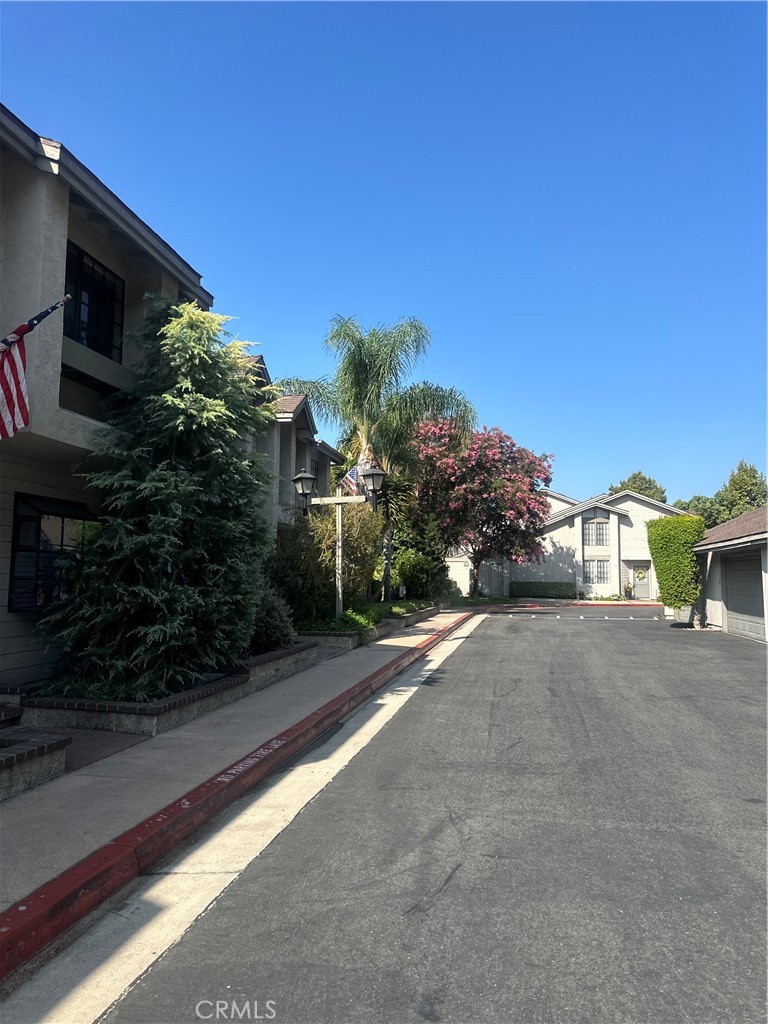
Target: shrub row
{"x": 526, "y": 588}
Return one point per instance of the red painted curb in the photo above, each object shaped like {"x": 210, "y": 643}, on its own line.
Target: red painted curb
{"x": 34, "y": 922}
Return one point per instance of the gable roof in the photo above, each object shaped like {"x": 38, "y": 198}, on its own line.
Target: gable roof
{"x": 670, "y": 509}
{"x": 749, "y": 528}
{"x": 288, "y": 408}
{"x": 557, "y": 494}
{"x": 605, "y": 502}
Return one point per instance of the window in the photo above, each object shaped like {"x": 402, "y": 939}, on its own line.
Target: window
{"x": 314, "y": 468}
{"x": 596, "y": 533}
{"x": 597, "y": 570}
{"x": 43, "y": 530}
{"x": 94, "y": 317}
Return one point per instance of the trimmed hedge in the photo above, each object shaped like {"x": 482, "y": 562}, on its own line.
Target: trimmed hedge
{"x": 671, "y": 541}
{"x": 526, "y": 588}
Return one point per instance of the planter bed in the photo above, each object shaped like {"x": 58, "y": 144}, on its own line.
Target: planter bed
{"x": 153, "y": 717}
{"x": 350, "y": 639}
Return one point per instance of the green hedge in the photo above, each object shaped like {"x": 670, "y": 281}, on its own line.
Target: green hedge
{"x": 520, "y": 588}
{"x": 671, "y": 541}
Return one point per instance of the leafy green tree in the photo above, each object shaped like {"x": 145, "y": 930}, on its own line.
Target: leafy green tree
{"x": 376, "y": 408}
{"x": 700, "y": 505}
{"x": 168, "y": 587}
{"x": 745, "y": 489}
{"x": 641, "y": 484}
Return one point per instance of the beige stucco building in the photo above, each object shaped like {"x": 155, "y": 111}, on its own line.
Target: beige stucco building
{"x": 599, "y": 546}
{"x": 63, "y": 231}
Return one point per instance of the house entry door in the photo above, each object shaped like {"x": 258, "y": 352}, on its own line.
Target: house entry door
{"x": 641, "y": 583}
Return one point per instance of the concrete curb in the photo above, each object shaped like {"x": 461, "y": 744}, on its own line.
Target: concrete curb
{"x": 34, "y": 922}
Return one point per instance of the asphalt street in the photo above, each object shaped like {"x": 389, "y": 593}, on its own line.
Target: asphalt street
{"x": 564, "y": 824}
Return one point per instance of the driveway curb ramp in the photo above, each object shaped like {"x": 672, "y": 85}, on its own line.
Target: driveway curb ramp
{"x": 31, "y": 924}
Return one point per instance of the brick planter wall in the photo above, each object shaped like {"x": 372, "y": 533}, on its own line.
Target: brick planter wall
{"x": 348, "y": 641}
{"x": 153, "y": 717}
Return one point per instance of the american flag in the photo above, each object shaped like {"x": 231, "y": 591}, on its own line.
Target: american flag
{"x": 14, "y": 400}
{"x": 350, "y": 481}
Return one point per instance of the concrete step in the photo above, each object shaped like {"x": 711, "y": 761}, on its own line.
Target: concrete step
{"x": 10, "y": 715}
{"x": 29, "y": 757}
{"x": 14, "y": 693}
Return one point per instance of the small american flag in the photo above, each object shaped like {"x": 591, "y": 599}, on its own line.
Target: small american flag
{"x": 350, "y": 481}
{"x": 14, "y": 400}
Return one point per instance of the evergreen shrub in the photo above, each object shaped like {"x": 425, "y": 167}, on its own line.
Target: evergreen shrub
{"x": 273, "y": 626}
{"x": 167, "y": 589}
{"x": 671, "y": 541}
{"x": 525, "y": 588}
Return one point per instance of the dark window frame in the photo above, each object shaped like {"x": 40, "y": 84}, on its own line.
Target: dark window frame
{"x": 95, "y": 318}
{"x": 35, "y": 591}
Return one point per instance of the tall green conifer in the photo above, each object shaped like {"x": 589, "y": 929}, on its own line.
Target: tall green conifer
{"x": 167, "y": 588}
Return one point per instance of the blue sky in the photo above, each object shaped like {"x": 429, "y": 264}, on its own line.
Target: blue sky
{"x": 571, "y": 196}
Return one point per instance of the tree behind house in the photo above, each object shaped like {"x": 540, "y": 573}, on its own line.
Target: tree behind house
{"x": 168, "y": 587}
{"x": 640, "y": 484}
{"x": 744, "y": 490}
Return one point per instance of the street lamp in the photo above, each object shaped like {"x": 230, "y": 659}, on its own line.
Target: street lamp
{"x": 304, "y": 483}
{"x": 373, "y": 478}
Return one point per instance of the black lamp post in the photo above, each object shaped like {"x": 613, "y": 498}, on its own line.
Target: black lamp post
{"x": 304, "y": 483}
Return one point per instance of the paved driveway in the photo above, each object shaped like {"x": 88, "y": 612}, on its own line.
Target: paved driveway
{"x": 565, "y": 824}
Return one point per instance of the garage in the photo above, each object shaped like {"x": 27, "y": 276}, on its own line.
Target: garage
{"x": 733, "y": 558}
{"x": 743, "y": 597}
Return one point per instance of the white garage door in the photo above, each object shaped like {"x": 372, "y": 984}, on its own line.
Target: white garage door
{"x": 744, "y": 597}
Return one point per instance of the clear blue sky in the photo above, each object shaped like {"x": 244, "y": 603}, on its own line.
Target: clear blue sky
{"x": 571, "y": 196}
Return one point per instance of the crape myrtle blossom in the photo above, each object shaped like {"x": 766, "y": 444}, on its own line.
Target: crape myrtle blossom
{"x": 485, "y": 495}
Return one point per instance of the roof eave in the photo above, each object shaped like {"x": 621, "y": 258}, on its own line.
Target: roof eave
{"x": 752, "y": 540}
{"x": 54, "y": 158}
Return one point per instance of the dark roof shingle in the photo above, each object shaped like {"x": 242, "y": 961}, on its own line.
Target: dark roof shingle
{"x": 747, "y": 525}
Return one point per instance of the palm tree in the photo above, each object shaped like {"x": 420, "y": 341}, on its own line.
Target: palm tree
{"x": 373, "y": 404}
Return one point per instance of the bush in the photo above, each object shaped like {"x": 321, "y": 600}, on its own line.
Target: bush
{"x": 671, "y": 541}
{"x": 273, "y": 627}
{"x": 304, "y": 563}
{"x": 413, "y": 570}
{"x": 362, "y": 618}
{"x": 526, "y": 588}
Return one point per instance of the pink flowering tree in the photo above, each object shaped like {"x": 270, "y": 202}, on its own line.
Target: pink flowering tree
{"x": 485, "y": 496}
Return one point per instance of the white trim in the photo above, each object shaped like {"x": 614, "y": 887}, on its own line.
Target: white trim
{"x": 736, "y": 542}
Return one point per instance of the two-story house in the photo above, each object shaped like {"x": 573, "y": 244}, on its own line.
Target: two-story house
{"x": 599, "y": 545}
{"x": 291, "y": 445}
{"x": 63, "y": 231}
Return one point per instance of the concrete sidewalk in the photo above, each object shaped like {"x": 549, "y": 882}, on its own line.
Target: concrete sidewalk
{"x": 47, "y": 831}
